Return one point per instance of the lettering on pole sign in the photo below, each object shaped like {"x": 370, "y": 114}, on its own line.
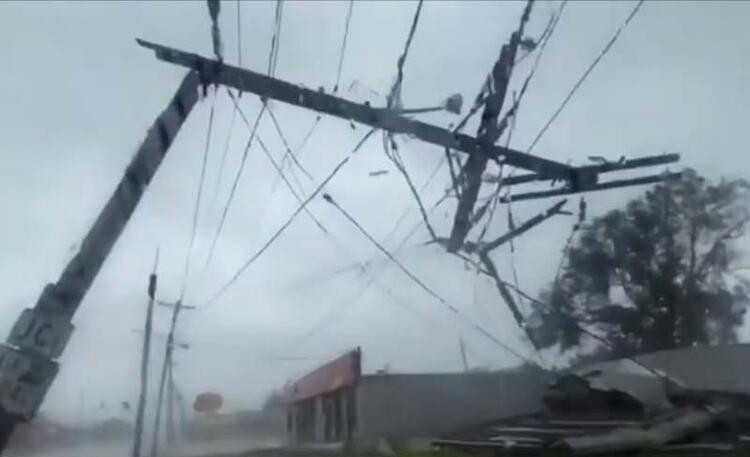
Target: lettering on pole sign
{"x": 24, "y": 380}
{"x": 42, "y": 332}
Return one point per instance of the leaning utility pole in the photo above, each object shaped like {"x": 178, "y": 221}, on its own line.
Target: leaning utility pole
{"x": 462, "y": 348}
{"x": 170, "y": 406}
{"x": 488, "y": 133}
{"x": 144, "y": 361}
{"x": 28, "y": 358}
{"x": 172, "y": 403}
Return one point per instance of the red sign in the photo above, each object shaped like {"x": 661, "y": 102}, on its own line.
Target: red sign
{"x": 341, "y": 372}
{"x": 208, "y": 402}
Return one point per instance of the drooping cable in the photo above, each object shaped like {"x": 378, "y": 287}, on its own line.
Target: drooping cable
{"x": 235, "y": 183}
{"x": 335, "y": 87}
{"x": 239, "y": 35}
{"x": 586, "y": 73}
{"x": 276, "y": 39}
{"x": 289, "y": 221}
{"x": 272, "y": 58}
{"x": 423, "y": 286}
{"x": 394, "y": 100}
{"x": 343, "y": 47}
{"x": 276, "y": 166}
{"x": 199, "y": 194}
{"x": 222, "y": 162}
{"x": 394, "y": 97}
{"x": 288, "y": 150}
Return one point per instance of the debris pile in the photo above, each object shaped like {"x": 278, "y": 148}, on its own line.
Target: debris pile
{"x": 608, "y": 412}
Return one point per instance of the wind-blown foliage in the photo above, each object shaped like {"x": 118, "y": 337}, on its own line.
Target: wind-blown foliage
{"x": 658, "y": 274}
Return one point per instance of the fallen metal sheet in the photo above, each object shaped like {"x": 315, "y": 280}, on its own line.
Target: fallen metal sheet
{"x": 540, "y": 434}
{"x": 676, "y": 427}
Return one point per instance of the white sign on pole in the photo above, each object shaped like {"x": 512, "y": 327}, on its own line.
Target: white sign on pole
{"x": 42, "y": 332}
{"x": 24, "y": 381}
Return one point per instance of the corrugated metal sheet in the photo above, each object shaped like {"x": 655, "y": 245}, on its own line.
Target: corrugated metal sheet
{"x": 538, "y": 435}
{"x": 341, "y": 372}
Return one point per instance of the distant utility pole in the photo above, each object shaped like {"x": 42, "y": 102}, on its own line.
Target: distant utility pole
{"x": 170, "y": 404}
{"x": 462, "y": 347}
{"x": 167, "y": 382}
{"x": 144, "y": 360}
{"x": 171, "y": 390}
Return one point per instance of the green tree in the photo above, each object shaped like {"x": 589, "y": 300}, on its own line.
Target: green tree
{"x": 659, "y": 274}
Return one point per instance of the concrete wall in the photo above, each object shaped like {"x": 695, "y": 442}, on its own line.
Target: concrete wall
{"x": 428, "y": 405}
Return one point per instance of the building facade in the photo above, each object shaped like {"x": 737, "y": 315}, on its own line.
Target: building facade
{"x": 337, "y": 403}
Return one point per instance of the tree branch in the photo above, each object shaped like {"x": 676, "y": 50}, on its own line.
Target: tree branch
{"x": 728, "y": 234}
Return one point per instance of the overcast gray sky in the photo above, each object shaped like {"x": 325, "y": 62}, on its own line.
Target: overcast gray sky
{"x": 78, "y": 94}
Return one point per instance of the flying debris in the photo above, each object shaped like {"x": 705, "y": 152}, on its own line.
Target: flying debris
{"x": 378, "y": 173}
{"x": 453, "y": 104}
{"x": 603, "y": 161}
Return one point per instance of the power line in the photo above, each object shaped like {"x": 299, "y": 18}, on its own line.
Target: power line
{"x": 394, "y": 97}
{"x": 276, "y": 166}
{"x": 272, "y": 57}
{"x": 239, "y": 35}
{"x": 276, "y": 39}
{"x": 399, "y": 164}
{"x": 586, "y": 73}
{"x": 406, "y": 212}
{"x": 394, "y": 100}
{"x": 196, "y": 211}
{"x": 214, "y": 6}
{"x": 220, "y": 173}
{"x": 343, "y": 46}
{"x": 288, "y": 152}
{"x": 309, "y": 133}
{"x": 422, "y": 285}
{"x": 580, "y": 327}
{"x": 289, "y": 221}
{"x": 233, "y": 190}
{"x": 546, "y": 36}
{"x": 335, "y": 87}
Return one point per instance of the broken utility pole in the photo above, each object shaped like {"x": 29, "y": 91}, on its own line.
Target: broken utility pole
{"x": 480, "y": 149}
{"x": 489, "y": 132}
{"x": 576, "y": 179}
{"x": 381, "y": 118}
